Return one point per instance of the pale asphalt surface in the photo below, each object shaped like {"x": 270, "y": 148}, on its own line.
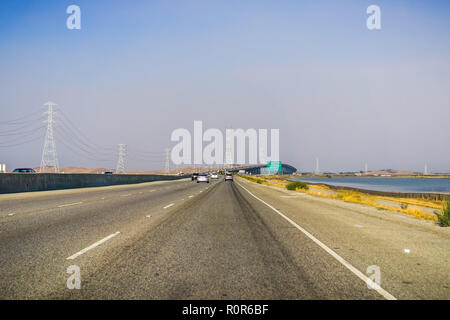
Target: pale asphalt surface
{"x": 183, "y": 240}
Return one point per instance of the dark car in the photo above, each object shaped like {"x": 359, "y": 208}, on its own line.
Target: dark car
{"x": 194, "y": 176}
{"x": 24, "y": 170}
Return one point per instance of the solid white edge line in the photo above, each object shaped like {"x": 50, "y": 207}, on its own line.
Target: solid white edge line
{"x": 346, "y": 264}
{"x": 79, "y": 253}
{"x": 70, "y": 204}
{"x": 169, "y": 205}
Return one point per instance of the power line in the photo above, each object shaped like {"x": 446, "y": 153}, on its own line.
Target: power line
{"x": 144, "y": 152}
{"x": 20, "y": 138}
{"x": 20, "y": 144}
{"x": 138, "y": 156}
{"x": 85, "y": 155}
{"x": 75, "y": 138}
{"x": 78, "y": 133}
{"x": 21, "y": 133}
{"x": 79, "y": 141}
{"x": 21, "y": 119}
{"x": 27, "y": 124}
{"x": 80, "y": 144}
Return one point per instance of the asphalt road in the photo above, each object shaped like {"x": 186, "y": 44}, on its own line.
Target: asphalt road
{"x": 223, "y": 240}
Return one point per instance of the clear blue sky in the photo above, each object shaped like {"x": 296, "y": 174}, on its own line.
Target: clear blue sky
{"x": 138, "y": 70}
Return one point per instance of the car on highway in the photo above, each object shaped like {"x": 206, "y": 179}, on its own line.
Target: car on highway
{"x": 108, "y": 172}
{"x": 194, "y": 176}
{"x": 214, "y": 175}
{"x": 203, "y": 178}
{"x": 228, "y": 176}
{"x": 24, "y": 170}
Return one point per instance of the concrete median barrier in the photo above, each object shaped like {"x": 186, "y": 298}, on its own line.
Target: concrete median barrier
{"x": 17, "y": 182}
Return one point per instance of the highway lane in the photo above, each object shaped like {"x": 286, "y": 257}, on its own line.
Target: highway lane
{"x": 224, "y": 245}
{"x": 35, "y": 243}
{"x": 13, "y": 204}
{"x": 185, "y": 240}
{"x": 413, "y": 254}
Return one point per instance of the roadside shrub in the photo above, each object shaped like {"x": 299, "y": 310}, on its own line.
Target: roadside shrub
{"x": 444, "y": 217}
{"x": 260, "y": 181}
{"x": 404, "y": 206}
{"x": 297, "y": 185}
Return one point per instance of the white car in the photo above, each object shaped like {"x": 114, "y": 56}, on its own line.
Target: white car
{"x": 228, "y": 176}
{"x": 214, "y": 175}
{"x": 203, "y": 177}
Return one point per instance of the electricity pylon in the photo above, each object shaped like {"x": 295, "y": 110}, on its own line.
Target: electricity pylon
{"x": 121, "y": 163}
{"x": 317, "y": 170}
{"x": 49, "y": 155}
{"x": 167, "y": 160}
{"x": 228, "y": 154}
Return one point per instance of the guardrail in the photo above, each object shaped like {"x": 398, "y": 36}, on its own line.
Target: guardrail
{"x": 27, "y": 182}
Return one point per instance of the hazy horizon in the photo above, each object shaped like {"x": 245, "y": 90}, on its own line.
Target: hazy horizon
{"x": 136, "y": 72}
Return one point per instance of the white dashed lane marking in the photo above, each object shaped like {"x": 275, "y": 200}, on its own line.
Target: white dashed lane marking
{"x": 169, "y": 205}
{"x": 70, "y": 204}
{"x": 92, "y": 246}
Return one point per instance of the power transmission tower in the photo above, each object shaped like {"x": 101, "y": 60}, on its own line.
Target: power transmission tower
{"x": 49, "y": 155}
{"x": 121, "y": 163}
{"x": 317, "y": 170}
{"x": 228, "y": 154}
{"x": 167, "y": 160}
{"x": 366, "y": 168}
{"x": 262, "y": 154}
{"x": 425, "y": 171}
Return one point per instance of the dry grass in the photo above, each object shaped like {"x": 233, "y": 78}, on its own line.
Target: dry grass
{"x": 415, "y": 202}
{"x": 358, "y": 197}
